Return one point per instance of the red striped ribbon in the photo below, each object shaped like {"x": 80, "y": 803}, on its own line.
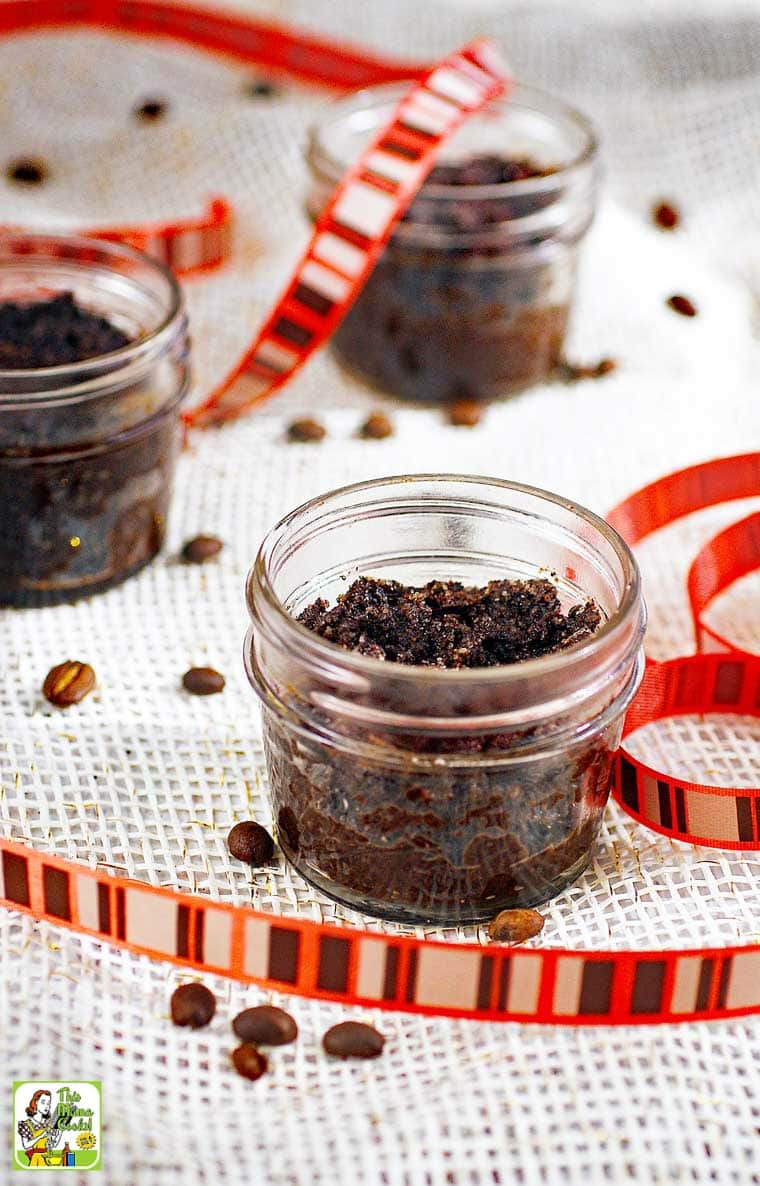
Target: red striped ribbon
{"x": 389, "y": 971}
{"x": 274, "y": 47}
{"x": 719, "y": 817}
{"x": 351, "y": 232}
{"x": 187, "y": 246}
{"x": 729, "y": 555}
{"x": 383, "y": 971}
{"x": 723, "y": 682}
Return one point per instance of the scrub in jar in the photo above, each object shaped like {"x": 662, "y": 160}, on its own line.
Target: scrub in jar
{"x": 441, "y": 751}
{"x": 471, "y": 296}
{"x": 93, "y": 366}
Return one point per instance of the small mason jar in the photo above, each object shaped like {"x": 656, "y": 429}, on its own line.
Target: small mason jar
{"x": 472, "y": 294}
{"x": 88, "y": 449}
{"x": 428, "y": 795}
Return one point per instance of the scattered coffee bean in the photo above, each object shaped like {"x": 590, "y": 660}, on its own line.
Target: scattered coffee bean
{"x": 666, "y": 216}
{"x": 261, "y": 89}
{"x": 515, "y": 926}
{"x": 376, "y": 427}
{"x": 249, "y": 1062}
{"x": 570, "y": 372}
{"x": 193, "y": 1005}
{"x": 251, "y": 843}
{"x": 353, "y": 1039}
{"x": 266, "y": 1025}
{"x": 201, "y": 548}
{"x": 68, "y": 683}
{"x": 681, "y": 304}
{"x": 27, "y": 172}
{"x": 203, "y": 681}
{"x": 306, "y": 431}
{"x": 465, "y": 413}
{"x": 151, "y": 110}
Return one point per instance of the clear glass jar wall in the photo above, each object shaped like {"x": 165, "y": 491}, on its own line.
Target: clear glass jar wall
{"x": 472, "y": 295}
{"x": 433, "y": 795}
{"x": 88, "y": 450}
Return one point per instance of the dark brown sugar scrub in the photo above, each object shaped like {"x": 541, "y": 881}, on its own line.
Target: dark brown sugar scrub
{"x": 471, "y": 296}
{"x": 445, "y": 624}
{"x": 439, "y": 749}
{"x": 93, "y": 367}
{"x": 53, "y": 333}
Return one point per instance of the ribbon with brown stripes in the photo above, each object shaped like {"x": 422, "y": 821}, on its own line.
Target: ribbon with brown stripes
{"x": 731, "y": 554}
{"x": 379, "y": 970}
{"x": 719, "y": 817}
{"x": 351, "y": 232}
{"x": 274, "y": 47}
{"x": 187, "y": 246}
{"x": 724, "y": 682}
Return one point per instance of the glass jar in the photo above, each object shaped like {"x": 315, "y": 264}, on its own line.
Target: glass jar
{"x": 88, "y": 449}
{"x": 472, "y": 294}
{"x": 428, "y": 795}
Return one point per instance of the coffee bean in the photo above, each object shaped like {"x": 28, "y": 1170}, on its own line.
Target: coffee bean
{"x": 251, "y": 843}
{"x": 201, "y": 548}
{"x": 465, "y": 413}
{"x": 570, "y": 372}
{"x": 27, "y": 172}
{"x": 249, "y": 1062}
{"x": 193, "y": 1005}
{"x": 681, "y": 304}
{"x": 266, "y": 1025}
{"x": 515, "y": 926}
{"x": 306, "y": 431}
{"x": 203, "y": 681}
{"x": 353, "y": 1039}
{"x": 151, "y": 110}
{"x": 68, "y": 683}
{"x": 261, "y": 89}
{"x": 376, "y": 427}
{"x": 666, "y": 216}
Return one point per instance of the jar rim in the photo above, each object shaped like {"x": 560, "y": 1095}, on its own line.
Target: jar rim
{"x": 366, "y": 666}
{"x": 322, "y": 161}
{"x": 88, "y": 372}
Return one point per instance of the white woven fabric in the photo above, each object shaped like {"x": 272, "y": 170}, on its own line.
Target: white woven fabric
{"x": 147, "y": 780}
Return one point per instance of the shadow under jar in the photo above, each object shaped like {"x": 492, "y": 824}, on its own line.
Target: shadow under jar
{"x": 471, "y": 296}
{"x": 429, "y": 795}
{"x": 88, "y": 449}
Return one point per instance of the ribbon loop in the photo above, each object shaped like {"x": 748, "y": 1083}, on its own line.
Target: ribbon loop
{"x": 729, "y": 555}
{"x": 723, "y": 682}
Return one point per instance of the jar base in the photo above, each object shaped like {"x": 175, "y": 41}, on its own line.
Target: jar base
{"x": 462, "y": 916}
{"x": 25, "y": 598}
{"x": 444, "y": 364}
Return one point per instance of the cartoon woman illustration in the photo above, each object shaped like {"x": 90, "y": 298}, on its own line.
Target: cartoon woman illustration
{"x": 39, "y": 1134}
